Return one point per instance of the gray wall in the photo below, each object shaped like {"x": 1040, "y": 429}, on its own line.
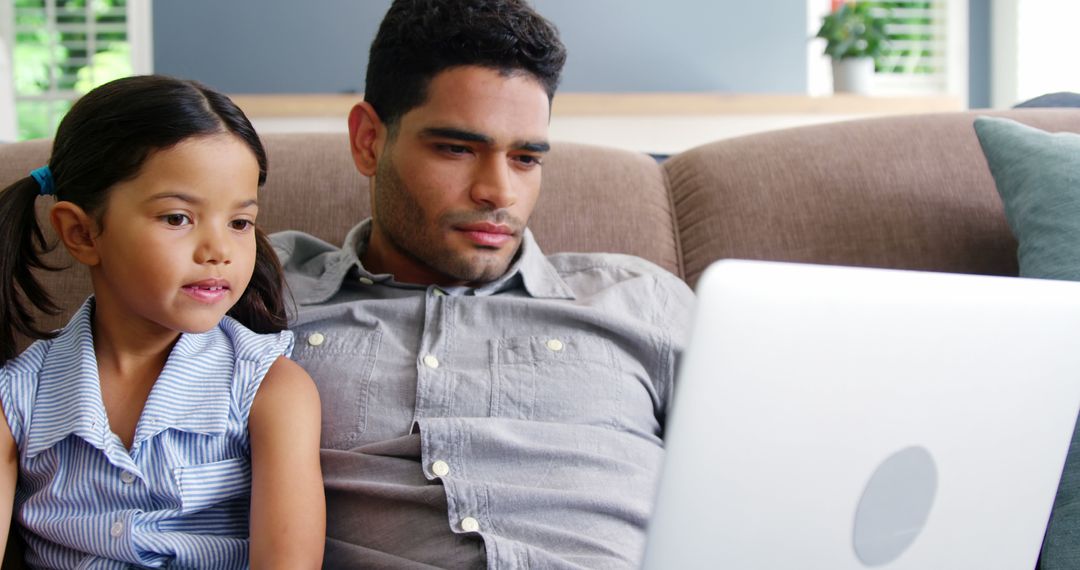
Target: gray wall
{"x": 320, "y": 46}
{"x": 267, "y": 46}
{"x": 979, "y": 54}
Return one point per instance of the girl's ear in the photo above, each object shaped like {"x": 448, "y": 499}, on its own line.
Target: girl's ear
{"x": 76, "y": 230}
{"x": 366, "y": 137}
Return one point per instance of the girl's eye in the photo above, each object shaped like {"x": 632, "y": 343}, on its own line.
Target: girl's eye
{"x": 176, "y": 220}
{"x": 241, "y": 225}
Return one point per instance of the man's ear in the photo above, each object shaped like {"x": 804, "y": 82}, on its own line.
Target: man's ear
{"x": 366, "y": 137}
{"x": 76, "y": 230}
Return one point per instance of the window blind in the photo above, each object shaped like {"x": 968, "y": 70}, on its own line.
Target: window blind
{"x": 62, "y": 49}
{"x": 918, "y": 57}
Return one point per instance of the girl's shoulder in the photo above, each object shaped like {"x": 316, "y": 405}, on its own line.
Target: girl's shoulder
{"x": 69, "y": 339}
{"x": 252, "y": 346}
{"x": 23, "y": 378}
{"x": 29, "y": 362}
{"x": 65, "y": 349}
{"x": 253, "y": 355}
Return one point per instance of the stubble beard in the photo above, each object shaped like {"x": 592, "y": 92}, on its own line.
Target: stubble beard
{"x": 401, "y": 219}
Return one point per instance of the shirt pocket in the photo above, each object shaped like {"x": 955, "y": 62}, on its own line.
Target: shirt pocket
{"x": 208, "y": 484}
{"x": 569, "y": 379}
{"x": 340, "y": 360}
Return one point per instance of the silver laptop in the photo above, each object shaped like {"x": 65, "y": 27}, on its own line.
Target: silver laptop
{"x": 842, "y": 418}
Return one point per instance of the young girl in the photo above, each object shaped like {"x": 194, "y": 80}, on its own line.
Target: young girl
{"x": 152, "y": 428}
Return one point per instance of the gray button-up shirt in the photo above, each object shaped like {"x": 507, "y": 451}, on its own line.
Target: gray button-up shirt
{"x": 527, "y": 412}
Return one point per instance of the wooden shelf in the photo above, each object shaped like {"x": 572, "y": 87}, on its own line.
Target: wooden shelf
{"x": 638, "y": 104}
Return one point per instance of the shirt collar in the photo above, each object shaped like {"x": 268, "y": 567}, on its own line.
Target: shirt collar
{"x": 69, "y": 402}
{"x": 530, "y": 270}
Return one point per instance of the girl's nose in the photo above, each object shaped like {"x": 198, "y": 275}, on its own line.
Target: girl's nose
{"x": 213, "y": 248}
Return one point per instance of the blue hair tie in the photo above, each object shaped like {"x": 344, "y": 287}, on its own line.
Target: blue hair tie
{"x": 45, "y": 180}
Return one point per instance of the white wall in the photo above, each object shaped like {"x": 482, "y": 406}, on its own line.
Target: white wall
{"x": 1034, "y": 49}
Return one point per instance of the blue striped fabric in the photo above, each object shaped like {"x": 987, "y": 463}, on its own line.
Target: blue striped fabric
{"x": 179, "y": 498}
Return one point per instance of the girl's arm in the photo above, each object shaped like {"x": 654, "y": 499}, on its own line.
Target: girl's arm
{"x": 288, "y": 507}
{"x": 9, "y": 475}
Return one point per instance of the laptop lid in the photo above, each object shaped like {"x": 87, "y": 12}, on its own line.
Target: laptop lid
{"x": 848, "y": 418}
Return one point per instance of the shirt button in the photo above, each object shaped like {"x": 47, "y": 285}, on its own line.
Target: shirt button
{"x": 316, "y": 339}
{"x": 431, "y": 362}
{"x": 127, "y": 477}
{"x": 469, "y": 524}
{"x": 554, "y": 345}
{"x": 366, "y": 281}
{"x": 117, "y": 529}
{"x": 440, "y": 468}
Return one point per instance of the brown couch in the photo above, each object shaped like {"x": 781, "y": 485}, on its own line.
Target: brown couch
{"x": 903, "y": 192}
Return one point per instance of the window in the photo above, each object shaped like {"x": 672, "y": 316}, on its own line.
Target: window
{"x": 63, "y": 48}
{"x": 927, "y": 50}
{"x": 927, "y": 53}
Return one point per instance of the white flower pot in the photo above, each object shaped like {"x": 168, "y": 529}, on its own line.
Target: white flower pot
{"x": 853, "y": 75}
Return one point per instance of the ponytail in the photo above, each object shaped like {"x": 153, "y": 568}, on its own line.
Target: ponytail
{"x": 23, "y": 248}
{"x": 262, "y": 306}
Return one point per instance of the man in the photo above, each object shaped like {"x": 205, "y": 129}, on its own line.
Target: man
{"x": 484, "y": 405}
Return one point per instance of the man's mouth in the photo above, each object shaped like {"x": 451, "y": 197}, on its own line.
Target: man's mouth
{"x": 487, "y": 234}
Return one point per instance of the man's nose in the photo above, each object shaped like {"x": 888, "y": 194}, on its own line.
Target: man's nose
{"x": 493, "y": 186}
{"x": 213, "y": 247}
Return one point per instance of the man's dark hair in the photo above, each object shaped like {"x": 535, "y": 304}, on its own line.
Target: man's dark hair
{"x": 418, "y": 39}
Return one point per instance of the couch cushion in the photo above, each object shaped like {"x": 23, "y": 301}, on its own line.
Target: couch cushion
{"x": 1038, "y": 176}
{"x": 909, "y": 192}
{"x": 597, "y": 199}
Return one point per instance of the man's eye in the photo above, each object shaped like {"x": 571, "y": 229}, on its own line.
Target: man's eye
{"x": 454, "y": 149}
{"x": 176, "y": 220}
{"x": 530, "y": 160}
{"x": 241, "y": 225}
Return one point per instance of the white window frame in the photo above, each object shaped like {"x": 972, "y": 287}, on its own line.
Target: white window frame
{"x": 140, "y": 23}
{"x": 9, "y": 130}
{"x": 1004, "y": 52}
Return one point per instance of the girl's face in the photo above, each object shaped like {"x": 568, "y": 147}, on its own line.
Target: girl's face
{"x": 176, "y": 246}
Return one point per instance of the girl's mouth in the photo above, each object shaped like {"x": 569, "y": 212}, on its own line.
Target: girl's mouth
{"x": 208, "y": 290}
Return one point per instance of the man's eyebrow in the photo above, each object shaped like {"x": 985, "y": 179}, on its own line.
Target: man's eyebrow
{"x": 469, "y": 136}
{"x": 195, "y": 200}
{"x": 533, "y": 146}
{"x": 456, "y": 134}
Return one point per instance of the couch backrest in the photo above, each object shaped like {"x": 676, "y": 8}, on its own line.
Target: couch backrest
{"x": 906, "y": 192}
{"x": 593, "y": 199}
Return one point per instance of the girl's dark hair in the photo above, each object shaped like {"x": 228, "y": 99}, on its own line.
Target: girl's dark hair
{"x": 105, "y": 138}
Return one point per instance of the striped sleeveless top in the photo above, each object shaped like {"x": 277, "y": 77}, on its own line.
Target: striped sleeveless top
{"x": 179, "y": 498}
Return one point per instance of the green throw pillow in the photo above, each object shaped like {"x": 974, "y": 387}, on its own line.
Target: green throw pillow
{"x": 1038, "y": 177}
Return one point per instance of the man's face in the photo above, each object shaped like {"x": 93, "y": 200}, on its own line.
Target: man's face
{"x": 457, "y": 180}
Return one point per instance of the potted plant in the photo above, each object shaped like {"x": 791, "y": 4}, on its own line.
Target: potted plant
{"x": 854, "y": 36}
